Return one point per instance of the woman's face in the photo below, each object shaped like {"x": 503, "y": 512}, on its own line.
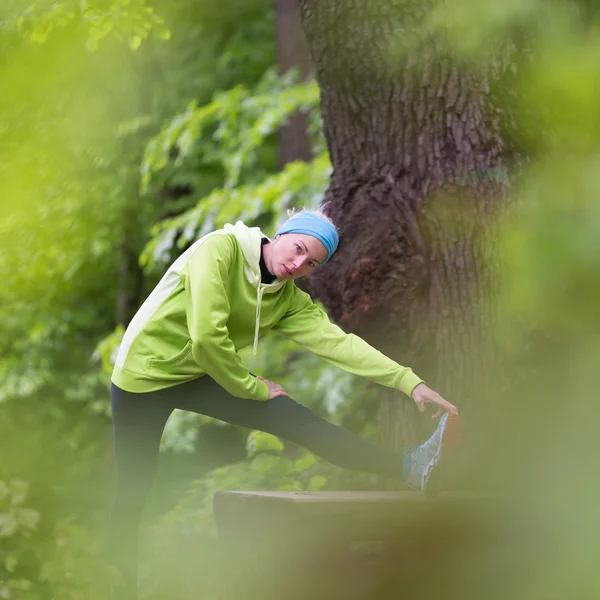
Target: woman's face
{"x": 294, "y": 255}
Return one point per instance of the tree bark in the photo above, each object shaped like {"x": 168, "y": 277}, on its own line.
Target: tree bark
{"x": 292, "y": 52}
{"x": 419, "y": 171}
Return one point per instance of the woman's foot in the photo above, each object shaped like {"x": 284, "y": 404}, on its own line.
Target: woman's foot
{"x": 420, "y": 461}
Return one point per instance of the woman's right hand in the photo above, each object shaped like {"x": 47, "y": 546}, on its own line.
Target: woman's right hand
{"x": 274, "y": 389}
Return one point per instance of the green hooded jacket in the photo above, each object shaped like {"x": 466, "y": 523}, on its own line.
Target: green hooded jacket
{"x": 211, "y": 303}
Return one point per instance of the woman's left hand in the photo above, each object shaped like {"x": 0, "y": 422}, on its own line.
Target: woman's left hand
{"x": 423, "y": 395}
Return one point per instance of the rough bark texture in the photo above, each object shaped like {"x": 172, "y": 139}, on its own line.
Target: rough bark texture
{"x": 419, "y": 171}
{"x": 292, "y": 52}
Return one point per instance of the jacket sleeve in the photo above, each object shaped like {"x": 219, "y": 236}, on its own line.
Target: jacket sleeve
{"x": 207, "y": 309}
{"x": 309, "y": 326}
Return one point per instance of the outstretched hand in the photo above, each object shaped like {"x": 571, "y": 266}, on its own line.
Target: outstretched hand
{"x": 423, "y": 395}
{"x": 274, "y": 389}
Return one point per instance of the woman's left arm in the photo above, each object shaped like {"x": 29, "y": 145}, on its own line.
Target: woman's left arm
{"x": 310, "y": 327}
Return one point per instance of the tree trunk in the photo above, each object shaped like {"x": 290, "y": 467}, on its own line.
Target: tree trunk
{"x": 292, "y": 52}
{"x": 419, "y": 172}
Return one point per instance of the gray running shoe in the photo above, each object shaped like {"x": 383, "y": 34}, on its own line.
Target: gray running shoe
{"x": 420, "y": 461}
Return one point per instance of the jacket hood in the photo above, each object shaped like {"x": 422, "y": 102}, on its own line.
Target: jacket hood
{"x": 250, "y": 240}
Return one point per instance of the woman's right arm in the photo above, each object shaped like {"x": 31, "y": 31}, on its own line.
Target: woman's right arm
{"x": 207, "y": 315}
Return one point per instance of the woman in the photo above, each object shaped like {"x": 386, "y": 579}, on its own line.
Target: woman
{"x": 180, "y": 351}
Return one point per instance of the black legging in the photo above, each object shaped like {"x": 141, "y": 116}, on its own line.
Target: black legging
{"x": 138, "y": 423}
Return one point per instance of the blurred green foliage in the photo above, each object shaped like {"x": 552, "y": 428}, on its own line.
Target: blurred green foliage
{"x": 128, "y": 129}
{"x": 16, "y": 526}
{"x": 233, "y": 134}
{"x": 36, "y": 564}
{"x": 130, "y": 20}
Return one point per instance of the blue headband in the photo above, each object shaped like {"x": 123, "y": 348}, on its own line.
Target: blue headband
{"x": 312, "y": 224}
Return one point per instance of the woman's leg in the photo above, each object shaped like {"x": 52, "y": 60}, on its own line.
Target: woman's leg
{"x": 286, "y": 418}
{"x": 138, "y": 423}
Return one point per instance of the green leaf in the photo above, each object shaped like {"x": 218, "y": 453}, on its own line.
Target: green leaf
{"x": 308, "y": 460}
{"x": 135, "y": 42}
{"x": 161, "y": 32}
{"x": 316, "y": 483}
{"x": 101, "y": 29}
{"x": 8, "y": 524}
{"x": 290, "y": 485}
{"x": 27, "y": 517}
{"x": 259, "y": 441}
{"x": 10, "y": 563}
{"x": 39, "y": 33}
{"x": 18, "y": 491}
{"x": 272, "y": 466}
